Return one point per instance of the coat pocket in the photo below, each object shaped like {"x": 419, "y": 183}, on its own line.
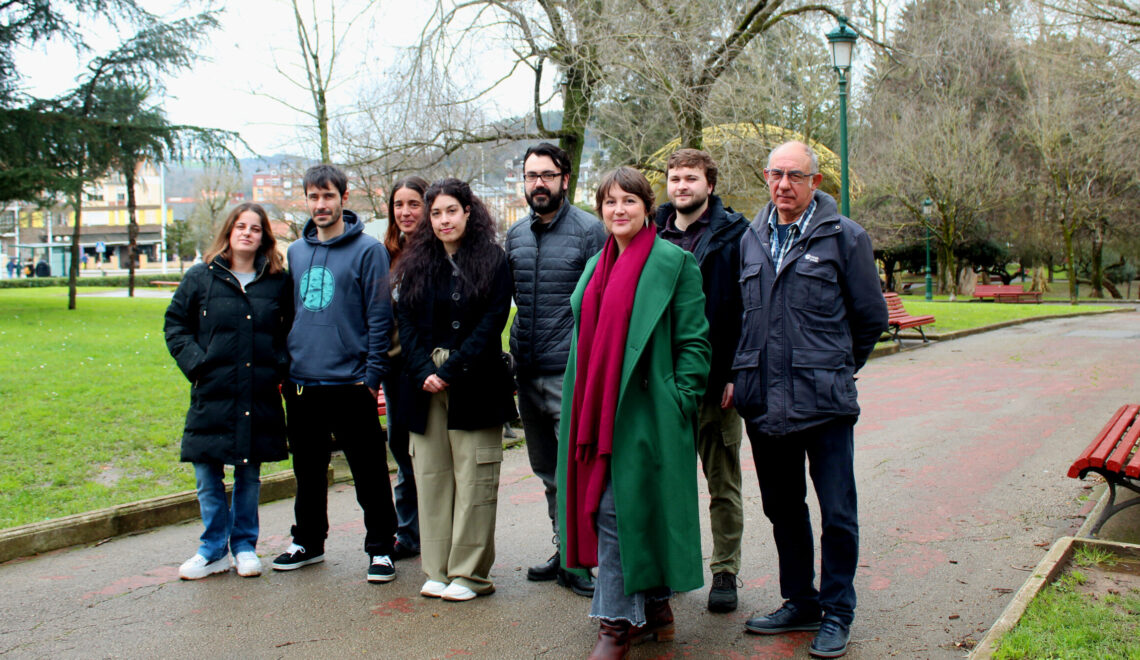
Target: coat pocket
{"x": 815, "y": 287}
{"x": 750, "y": 292}
{"x": 749, "y": 376}
{"x": 822, "y": 381}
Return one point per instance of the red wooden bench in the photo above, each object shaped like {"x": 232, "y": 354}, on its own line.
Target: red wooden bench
{"x": 1006, "y": 293}
{"x": 162, "y": 283}
{"x": 898, "y": 319}
{"x": 381, "y": 403}
{"x": 1112, "y": 454}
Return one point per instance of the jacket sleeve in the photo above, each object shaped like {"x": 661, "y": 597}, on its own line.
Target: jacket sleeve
{"x": 489, "y": 328}
{"x": 180, "y": 325}
{"x": 378, "y": 313}
{"x": 597, "y": 237}
{"x": 866, "y": 307}
{"x": 691, "y": 348}
{"x": 281, "y": 335}
{"x": 413, "y": 346}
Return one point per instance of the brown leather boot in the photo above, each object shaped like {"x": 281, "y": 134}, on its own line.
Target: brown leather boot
{"x": 613, "y": 640}
{"x": 658, "y": 623}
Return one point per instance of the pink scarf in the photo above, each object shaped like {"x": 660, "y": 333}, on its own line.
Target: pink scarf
{"x": 607, "y": 305}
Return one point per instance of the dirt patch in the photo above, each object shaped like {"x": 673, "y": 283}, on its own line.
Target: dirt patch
{"x": 1120, "y": 578}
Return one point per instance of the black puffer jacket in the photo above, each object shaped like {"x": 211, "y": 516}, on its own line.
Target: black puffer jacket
{"x": 546, "y": 261}
{"x": 718, "y": 255}
{"x": 231, "y": 346}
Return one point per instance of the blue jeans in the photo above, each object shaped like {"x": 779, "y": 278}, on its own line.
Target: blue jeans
{"x": 610, "y": 600}
{"x": 407, "y": 511}
{"x": 228, "y": 526}
{"x": 829, "y": 452}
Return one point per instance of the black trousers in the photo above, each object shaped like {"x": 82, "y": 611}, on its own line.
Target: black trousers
{"x": 314, "y": 415}
{"x": 829, "y": 452}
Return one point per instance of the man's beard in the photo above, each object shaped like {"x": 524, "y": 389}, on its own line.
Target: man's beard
{"x": 553, "y": 200}
{"x": 691, "y": 206}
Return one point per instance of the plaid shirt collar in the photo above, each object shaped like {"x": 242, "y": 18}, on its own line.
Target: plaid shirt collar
{"x": 779, "y": 251}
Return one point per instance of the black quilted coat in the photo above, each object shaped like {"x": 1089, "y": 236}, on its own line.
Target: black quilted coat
{"x": 231, "y": 346}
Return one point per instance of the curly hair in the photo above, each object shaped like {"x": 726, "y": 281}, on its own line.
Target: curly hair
{"x": 424, "y": 259}
{"x": 394, "y": 239}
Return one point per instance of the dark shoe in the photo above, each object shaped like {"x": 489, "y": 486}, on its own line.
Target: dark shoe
{"x": 613, "y": 640}
{"x": 658, "y": 623}
{"x": 583, "y": 586}
{"x": 831, "y": 640}
{"x": 786, "y": 619}
{"x": 545, "y": 571}
{"x": 722, "y": 596}
{"x": 380, "y": 569}
{"x": 401, "y": 551}
{"x": 296, "y": 557}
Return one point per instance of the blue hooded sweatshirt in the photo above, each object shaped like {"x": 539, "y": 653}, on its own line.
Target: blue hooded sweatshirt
{"x": 343, "y": 310}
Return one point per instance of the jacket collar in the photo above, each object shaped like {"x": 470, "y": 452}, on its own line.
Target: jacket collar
{"x": 721, "y": 220}
{"x": 535, "y": 221}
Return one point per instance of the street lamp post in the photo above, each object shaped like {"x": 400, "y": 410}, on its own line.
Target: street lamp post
{"x": 842, "y": 40}
{"x": 927, "y": 208}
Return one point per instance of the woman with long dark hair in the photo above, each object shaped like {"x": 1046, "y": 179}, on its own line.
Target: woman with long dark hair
{"x": 405, "y": 213}
{"x": 226, "y": 328}
{"x": 639, "y": 360}
{"x": 454, "y": 299}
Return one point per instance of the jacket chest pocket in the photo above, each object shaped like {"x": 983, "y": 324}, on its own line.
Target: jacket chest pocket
{"x": 815, "y": 287}
{"x": 750, "y": 292}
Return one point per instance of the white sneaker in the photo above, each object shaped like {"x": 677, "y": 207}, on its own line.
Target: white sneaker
{"x": 248, "y": 564}
{"x": 433, "y": 589}
{"x": 456, "y": 592}
{"x": 198, "y": 567}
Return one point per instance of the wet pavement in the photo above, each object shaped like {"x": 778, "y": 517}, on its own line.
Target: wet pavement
{"x": 961, "y": 456}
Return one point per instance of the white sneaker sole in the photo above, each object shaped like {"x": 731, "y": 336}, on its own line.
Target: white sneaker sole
{"x": 381, "y": 578}
{"x": 221, "y": 566}
{"x": 433, "y": 591}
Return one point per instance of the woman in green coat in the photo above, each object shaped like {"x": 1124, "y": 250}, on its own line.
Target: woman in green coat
{"x": 627, "y": 472}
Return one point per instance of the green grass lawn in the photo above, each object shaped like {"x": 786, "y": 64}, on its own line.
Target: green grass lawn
{"x": 93, "y": 405}
{"x": 963, "y": 314}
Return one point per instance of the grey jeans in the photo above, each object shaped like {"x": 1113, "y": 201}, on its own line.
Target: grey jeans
{"x": 610, "y": 600}
{"x": 540, "y": 408}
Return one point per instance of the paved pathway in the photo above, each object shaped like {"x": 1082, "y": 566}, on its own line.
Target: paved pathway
{"x": 961, "y": 455}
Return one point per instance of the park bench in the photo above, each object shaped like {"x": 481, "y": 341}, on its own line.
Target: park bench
{"x": 898, "y": 319}
{"x": 162, "y": 283}
{"x": 1006, "y": 293}
{"x": 1112, "y": 454}
{"x": 381, "y": 403}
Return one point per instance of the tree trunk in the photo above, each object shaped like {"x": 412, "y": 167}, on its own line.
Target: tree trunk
{"x": 1040, "y": 282}
{"x": 576, "y": 100}
{"x": 132, "y": 229}
{"x": 1070, "y": 262}
{"x": 73, "y": 274}
{"x": 1096, "y": 271}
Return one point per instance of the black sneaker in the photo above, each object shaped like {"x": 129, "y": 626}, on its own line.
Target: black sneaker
{"x": 831, "y": 640}
{"x": 786, "y": 619}
{"x": 296, "y": 557}
{"x": 545, "y": 571}
{"x": 403, "y": 551}
{"x": 722, "y": 596}
{"x": 381, "y": 569}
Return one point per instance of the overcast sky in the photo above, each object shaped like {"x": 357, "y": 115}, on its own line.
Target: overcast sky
{"x": 237, "y": 61}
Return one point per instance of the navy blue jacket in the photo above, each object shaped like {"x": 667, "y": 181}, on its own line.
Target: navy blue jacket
{"x": 809, "y": 327}
{"x": 718, "y": 256}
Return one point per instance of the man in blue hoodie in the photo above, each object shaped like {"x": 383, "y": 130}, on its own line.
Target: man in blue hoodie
{"x": 337, "y": 349}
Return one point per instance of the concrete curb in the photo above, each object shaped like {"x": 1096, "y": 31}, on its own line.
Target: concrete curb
{"x": 133, "y": 517}
{"x": 959, "y": 334}
{"x": 1054, "y": 561}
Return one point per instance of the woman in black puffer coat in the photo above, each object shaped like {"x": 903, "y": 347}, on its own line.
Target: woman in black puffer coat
{"x": 226, "y": 328}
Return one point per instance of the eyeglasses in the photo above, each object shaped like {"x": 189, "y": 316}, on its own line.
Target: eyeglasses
{"x": 795, "y": 177}
{"x": 547, "y": 177}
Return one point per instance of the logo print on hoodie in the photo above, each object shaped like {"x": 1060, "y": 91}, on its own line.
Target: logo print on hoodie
{"x": 317, "y": 288}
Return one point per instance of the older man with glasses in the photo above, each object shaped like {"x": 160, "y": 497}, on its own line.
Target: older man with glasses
{"x": 813, "y": 311}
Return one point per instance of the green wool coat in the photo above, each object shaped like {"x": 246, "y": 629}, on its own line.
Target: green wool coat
{"x": 654, "y": 462}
